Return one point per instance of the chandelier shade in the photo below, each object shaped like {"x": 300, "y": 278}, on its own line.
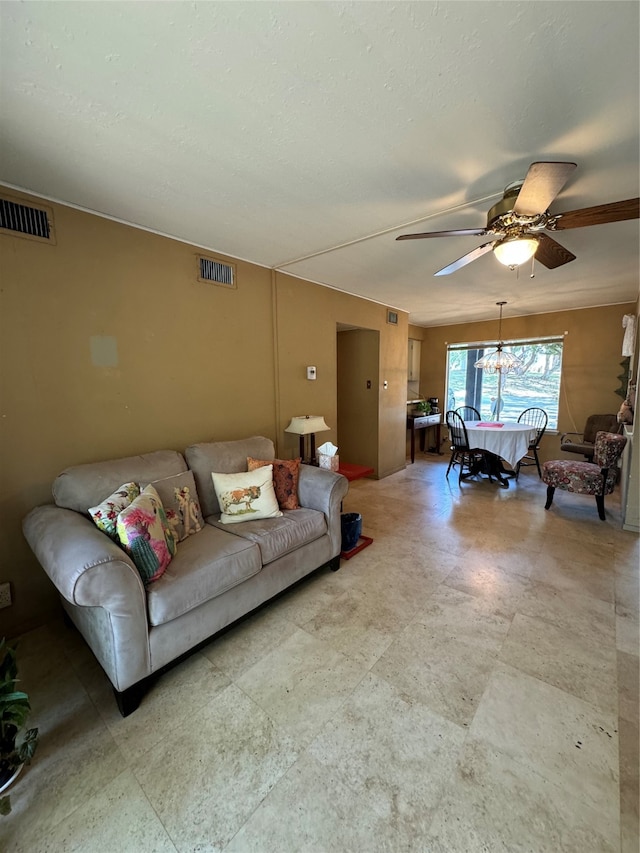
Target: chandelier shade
{"x": 499, "y": 361}
{"x": 513, "y": 251}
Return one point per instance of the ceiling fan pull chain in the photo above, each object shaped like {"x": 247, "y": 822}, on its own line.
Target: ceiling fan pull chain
{"x": 533, "y": 260}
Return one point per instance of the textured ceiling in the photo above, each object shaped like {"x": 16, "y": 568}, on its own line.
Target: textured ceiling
{"x": 306, "y": 136}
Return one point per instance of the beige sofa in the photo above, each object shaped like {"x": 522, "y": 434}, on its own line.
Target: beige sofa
{"x": 217, "y": 575}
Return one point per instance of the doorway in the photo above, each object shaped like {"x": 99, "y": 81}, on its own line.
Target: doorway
{"x": 358, "y": 385}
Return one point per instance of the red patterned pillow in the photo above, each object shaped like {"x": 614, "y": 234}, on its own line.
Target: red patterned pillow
{"x": 285, "y": 479}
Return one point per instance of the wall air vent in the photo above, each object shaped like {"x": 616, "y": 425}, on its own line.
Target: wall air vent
{"x": 23, "y": 220}
{"x": 216, "y": 272}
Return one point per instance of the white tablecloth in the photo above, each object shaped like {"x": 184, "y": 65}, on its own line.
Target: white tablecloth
{"x": 510, "y": 441}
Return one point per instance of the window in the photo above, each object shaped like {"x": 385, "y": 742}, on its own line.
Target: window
{"x": 537, "y": 385}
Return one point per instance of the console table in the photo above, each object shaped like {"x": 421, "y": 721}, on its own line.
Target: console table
{"x": 421, "y": 423}
{"x": 355, "y": 472}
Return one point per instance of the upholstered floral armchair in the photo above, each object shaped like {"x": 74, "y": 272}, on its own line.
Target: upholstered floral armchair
{"x": 596, "y": 478}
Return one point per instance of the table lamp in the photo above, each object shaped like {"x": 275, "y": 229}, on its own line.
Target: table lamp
{"x": 307, "y": 425}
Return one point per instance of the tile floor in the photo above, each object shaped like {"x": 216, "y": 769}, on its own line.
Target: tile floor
{"x": 468, "y": 683}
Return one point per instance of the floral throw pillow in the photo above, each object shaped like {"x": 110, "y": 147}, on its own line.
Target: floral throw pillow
{"x": 145, "y": 535}
{"x": 181, "y": 505}
{"x": 246, "y": 496}
{"x": 105, "y": 514}
{"x": 285, "y": 479}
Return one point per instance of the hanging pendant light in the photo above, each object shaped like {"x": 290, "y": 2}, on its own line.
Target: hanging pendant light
{"x": 500, "y": 361}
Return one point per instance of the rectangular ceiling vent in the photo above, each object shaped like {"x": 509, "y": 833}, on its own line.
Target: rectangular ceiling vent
{"x": 23, "y": 220}
{"x": 217, "y": 272}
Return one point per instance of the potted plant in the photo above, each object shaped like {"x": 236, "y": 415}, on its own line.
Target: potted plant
{"x": 424, "y": 407}
{"x": 14, "y": 710}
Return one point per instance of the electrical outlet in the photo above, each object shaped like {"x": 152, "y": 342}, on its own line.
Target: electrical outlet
{"x": 5, "y": 594}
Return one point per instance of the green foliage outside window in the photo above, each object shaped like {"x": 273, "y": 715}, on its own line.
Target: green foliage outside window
{"x": 537, "y": 385}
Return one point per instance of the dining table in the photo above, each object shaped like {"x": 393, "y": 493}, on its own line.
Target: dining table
{"x": 500, "y": 440}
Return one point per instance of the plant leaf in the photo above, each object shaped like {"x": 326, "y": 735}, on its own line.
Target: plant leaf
{"x": 27, "y": 748}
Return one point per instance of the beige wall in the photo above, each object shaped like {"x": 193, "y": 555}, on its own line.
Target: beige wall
{"x": 590, "y": 364}
{"x": 417, "y": 333}
{"x": 194, "y": 362}
{"x": 307, "y": 317}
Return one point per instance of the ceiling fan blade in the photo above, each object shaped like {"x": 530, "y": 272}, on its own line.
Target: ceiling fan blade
{"x": 551, "y": 254}
{"x": 542, "y": 184}
{"x": 466, "y": 259}
{"x": 616, "y": 211}
{"x": 464, "y": 232}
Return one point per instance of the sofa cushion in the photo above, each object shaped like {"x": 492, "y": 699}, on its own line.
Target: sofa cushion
{"x": 285, "y": 479}
{"x": 204, "y": 567}
{"x": 180, "y": 501}
{"x": 278, "y": 536}
{"x": 105, "y": 515}
{"x": 83, "y": 486}
{"x": 144, "y": 532}
{"x": 224, "y": 457}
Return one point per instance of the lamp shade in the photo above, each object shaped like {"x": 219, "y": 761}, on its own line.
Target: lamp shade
{"x": 307, "y": 424}
{"x": 513, "y": 251}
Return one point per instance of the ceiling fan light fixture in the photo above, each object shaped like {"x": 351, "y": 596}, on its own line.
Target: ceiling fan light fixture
{"x": 513, "y": 251}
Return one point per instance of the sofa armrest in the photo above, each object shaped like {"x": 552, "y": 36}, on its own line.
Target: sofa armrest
{"x": 85, "y": 566}
{"x": 324, "y": 490}
{"x": 321, "y": 489}
{"x": 105, "y": 594}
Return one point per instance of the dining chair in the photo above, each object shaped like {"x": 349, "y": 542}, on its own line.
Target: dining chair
{"x": 537, "y": 418}
{"x": 461, "y": 453}
{"x": 596, "y": 478}
{"x": 469, "y": 413}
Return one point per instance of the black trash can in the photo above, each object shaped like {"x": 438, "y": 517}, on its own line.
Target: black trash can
{"x": 351, "y": 529}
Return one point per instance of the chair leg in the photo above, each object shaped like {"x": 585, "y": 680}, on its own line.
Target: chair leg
{"x": 600, "y": 505}
{"x": 535, "y": 455}
{"x": 453, "y": 453}
{"x": 550, "y": 491}
{"x": 518, "y": 466}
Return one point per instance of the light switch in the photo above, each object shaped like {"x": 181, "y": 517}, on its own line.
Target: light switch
{"x": 311, "y": 372}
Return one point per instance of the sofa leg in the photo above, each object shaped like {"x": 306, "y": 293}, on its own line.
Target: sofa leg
{"x": 600, "y": 505}
{"x": 129, "y": 699}
{"x": 334, "y": 564}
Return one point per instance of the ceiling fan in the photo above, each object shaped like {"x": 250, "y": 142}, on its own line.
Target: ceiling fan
{"x": 515, "y": 223}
